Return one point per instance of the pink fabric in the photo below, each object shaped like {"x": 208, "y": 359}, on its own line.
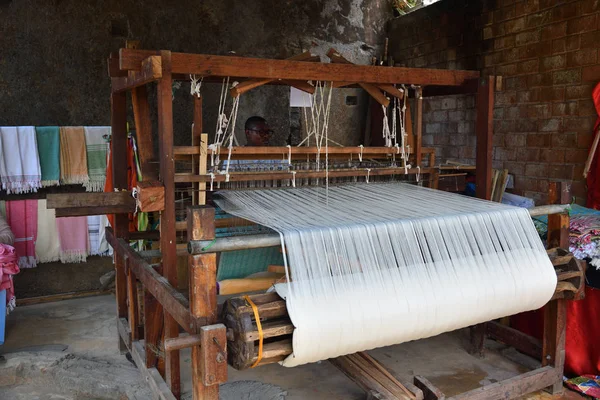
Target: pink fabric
{"x": 21, "y": 216}
{"x": 8, "y": 268}
{"x": 73, "y": 235}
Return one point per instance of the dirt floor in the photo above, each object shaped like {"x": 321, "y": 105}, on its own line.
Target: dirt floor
{"x": 68, "y": 350}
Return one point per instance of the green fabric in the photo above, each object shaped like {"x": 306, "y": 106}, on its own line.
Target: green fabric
{"x": 3, "y": 209}
{"x": 48, "y": 142}
{"x": 97, "y": 150}
{"x": 241, "y": 263}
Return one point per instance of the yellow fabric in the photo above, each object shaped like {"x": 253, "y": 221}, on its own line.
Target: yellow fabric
{"x": 260, "y": 331}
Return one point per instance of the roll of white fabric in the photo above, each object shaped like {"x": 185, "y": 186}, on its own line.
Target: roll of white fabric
{"x": 381, "y": 264}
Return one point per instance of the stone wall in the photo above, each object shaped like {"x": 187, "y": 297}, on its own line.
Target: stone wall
{"x": 547, "y": 53}
{"x": 53, "y": 66}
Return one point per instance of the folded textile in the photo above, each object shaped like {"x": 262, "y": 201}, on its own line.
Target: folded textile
{"x": 96, "y": 229}
{"x": 73, "y": 236}
{"x": 8, "y": 268}
{"x": 47, "y": 245}
{"x": 6, "y": 235}
{"x": 21, "y": 215}
{"x": 96, "y": 142}
{"x": 48, "y": 140}
{"x": 586, "y": 384}
{"x": 73, "y": 159}
{"x": 20, "y": 171}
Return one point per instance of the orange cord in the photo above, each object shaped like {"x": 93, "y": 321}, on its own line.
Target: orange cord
{"x": 260, "y": 331}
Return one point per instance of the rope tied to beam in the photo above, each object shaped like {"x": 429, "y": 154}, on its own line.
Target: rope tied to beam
{"x": 260, "y": 330}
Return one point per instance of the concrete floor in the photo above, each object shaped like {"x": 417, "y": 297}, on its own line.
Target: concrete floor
{"x": 68, "y": 350}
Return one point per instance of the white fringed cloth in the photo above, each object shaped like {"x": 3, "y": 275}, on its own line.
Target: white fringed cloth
{"x": 20, "y": 170}
{"x": 374, "y": 265}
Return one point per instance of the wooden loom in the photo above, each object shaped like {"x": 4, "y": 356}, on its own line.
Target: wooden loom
{"x": 155, "y": 342}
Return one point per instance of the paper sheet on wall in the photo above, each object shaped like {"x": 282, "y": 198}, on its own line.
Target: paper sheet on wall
{"x": 298, "y": 98}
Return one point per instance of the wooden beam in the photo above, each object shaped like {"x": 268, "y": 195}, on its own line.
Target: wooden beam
{"x": 430, "y": 392}
{"x": 524, "y": 343}
{"x": 262, "y": 176}
{"x": 202, "y": 271}
{"x": 151, "y": 71}
{"x": 553, "y": 345}
{"x": 167, "y": 218}
{"x": 143, "y": 133}
{"x": 418, "y": 129}
{"x": 514, "y": 387}
{"x": 373, "y": 90}
{"x": 268, "y": 151}
{"x": 250, "y": 84}
{"x": 558, "y": 224}
{"x": 244, "y": 67}
{"x": 336, "y": 57}
{"x": 78, "y": 204}
{"x": 485, "y": 132}
{"x": 119, "y": 170}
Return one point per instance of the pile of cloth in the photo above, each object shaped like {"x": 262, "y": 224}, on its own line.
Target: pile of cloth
{"x": 35, "y": 157}
{"x": 8, "y": 268}
{"x": 584, "y": 233}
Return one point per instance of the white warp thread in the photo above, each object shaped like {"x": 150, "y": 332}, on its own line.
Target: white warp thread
{"x": 381, "y": 264}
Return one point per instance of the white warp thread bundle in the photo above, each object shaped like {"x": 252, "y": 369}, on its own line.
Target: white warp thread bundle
{"x": 381, "y": 264}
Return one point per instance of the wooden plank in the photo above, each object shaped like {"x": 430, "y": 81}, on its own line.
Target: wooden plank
{"x": 124, "y": 333}
{"x": 261, "y": 176}
{"x": 119, "y": 171}
{"x": 553, "y": 347}
{"x": 430, "y": 391}
{"x": 202, "y": 271}
{"x": 213, "y": 362}
{"x": 167, "y": 218}
{"x": 524, "y": 343}
{"x": 143, "y": 133}
{"x": 121, "y": 199}
{"x": 273, "y": 152}
{"x": 152, "y": 376}
{"x": 244, "y": 67}
{"x": 418, "y": 126}
{"x": 153, "y": 331}
{"x": 477, "y": 336}
{"x": 150, "y": 71}
{"x": 202, "y": 168}
{"x": 132, "y": 306}
{"x": 485, "y": 131}
{"x": 558, "y": 224}
{"x": 514, "y": 387}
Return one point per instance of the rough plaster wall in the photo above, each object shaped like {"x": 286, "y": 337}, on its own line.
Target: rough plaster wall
{"x": 53, "y": 69}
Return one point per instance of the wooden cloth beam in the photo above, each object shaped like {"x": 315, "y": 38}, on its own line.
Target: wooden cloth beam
{"x": 151, "y": 71}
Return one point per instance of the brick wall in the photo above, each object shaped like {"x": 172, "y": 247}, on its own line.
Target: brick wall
{"x": 547, "y": 53}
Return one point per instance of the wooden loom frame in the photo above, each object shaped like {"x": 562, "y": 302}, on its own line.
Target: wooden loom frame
{"x": 155, "y": 346}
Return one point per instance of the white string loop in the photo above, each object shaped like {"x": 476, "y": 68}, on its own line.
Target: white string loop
{"x": 293, "y": 178}
{"x": 368, "y": 174}
{"x": 360, "y": 155}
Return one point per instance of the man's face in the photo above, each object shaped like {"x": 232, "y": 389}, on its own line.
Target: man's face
{"x": 258, "y": 135}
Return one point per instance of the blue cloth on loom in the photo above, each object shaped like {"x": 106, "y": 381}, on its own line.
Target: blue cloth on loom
{"x": 241, "y": 263}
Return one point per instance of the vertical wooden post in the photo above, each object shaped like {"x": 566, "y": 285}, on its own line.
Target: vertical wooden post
{"x": 198, "y": 194}
{"x": 553, "y": 348}
{"x": 418, "y": 126}
{"x": 167, "y": 217}
{"x": 558, "y": 224}
{"x": 132, "y": 303}
{"x": 143, "y": 130}
{"x": 485, "y": 131}
{"x": 203, "y": 293}
{"x": 118, "y": 108}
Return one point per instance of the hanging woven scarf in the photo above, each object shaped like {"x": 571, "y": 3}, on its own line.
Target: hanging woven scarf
{"x": 22, "y": 218}
{"x": 96, "y": 141}
{"x": 73, "y": 160}
{"x": 48, "y": 139}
